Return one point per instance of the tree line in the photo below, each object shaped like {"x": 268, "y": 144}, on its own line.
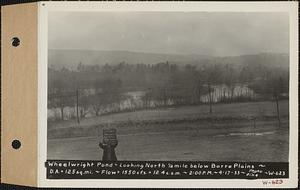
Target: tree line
{"x": 162, "y": 84}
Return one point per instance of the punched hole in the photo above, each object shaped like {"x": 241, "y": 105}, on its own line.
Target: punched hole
{"x": 16, "y": 144}
{"x": 15, "y": 41}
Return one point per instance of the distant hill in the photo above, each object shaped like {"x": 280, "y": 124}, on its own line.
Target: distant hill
{"x": 279, "y": 60}
{"x": 59, "y": 58}
{"x": 71, "y": 58}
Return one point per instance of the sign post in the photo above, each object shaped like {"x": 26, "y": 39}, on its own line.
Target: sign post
{"x": 109, "y": 144}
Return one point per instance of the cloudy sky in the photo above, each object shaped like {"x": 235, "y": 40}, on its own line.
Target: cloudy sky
{"x": 219, "y": 34}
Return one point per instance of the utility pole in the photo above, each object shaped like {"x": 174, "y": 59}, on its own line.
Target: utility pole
{"x": 77, "y": 106}
{"x": 277, "y": 108}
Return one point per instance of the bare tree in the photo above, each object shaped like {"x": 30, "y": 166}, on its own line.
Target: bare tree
{"x": 212, "y": 78}
{"x": 272, "y": 86}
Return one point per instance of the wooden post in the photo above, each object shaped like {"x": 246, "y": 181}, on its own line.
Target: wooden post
{"x": 77, "y": 109}
{"x": 210, "y": 100}
{"x": 254, "y": 124}
{"x": 277, "y": 108}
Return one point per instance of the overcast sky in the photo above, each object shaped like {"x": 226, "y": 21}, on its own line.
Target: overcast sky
{"x": 220, "y": 34}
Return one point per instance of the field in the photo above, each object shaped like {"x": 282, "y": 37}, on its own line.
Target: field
{"x": 234, "y": 132}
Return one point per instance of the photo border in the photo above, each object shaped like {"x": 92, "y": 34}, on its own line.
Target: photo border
{"x": 45, "y": 7}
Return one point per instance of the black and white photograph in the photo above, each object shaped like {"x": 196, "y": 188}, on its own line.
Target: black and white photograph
{"x": 168, "y": 86}
{"x": 157, "y": 86}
